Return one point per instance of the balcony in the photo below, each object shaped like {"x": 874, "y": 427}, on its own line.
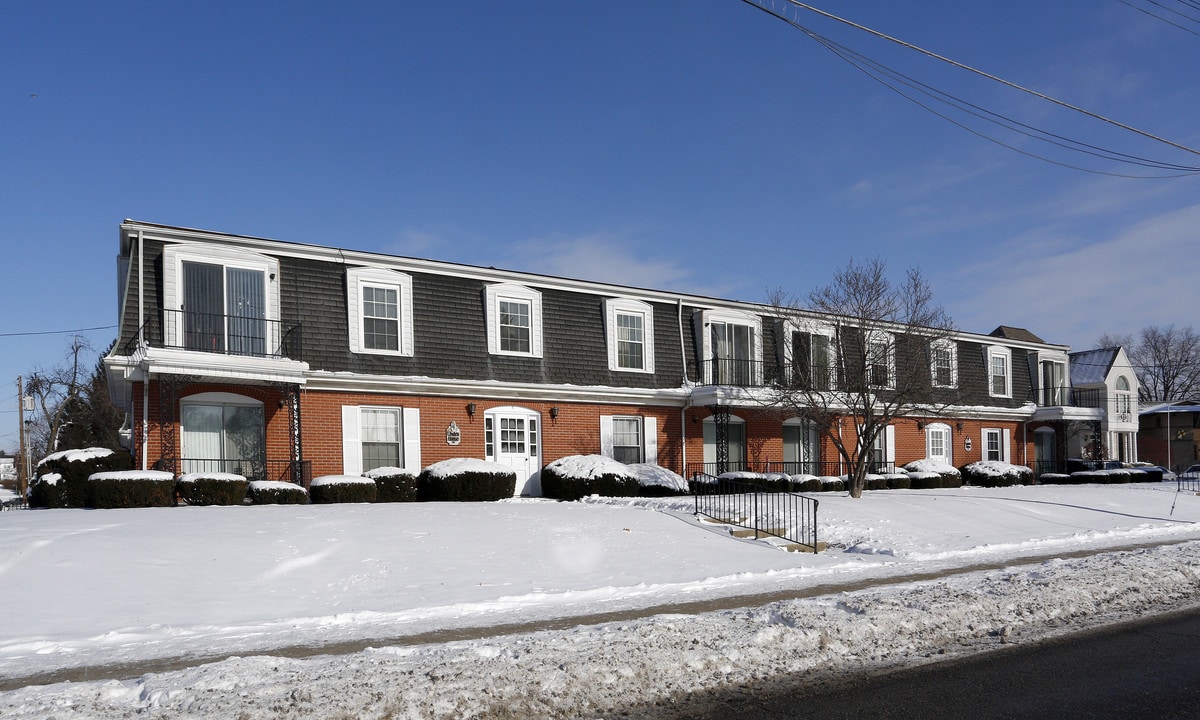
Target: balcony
{"x": 1068, "y": 397}
{"x": 251, "y": 337}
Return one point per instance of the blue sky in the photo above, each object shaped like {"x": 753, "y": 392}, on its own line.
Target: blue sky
{"x": 691, "y": 146}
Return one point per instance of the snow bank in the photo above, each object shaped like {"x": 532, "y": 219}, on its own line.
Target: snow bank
{"x": 657, "y": 476}
{"x": 459, "y": 466}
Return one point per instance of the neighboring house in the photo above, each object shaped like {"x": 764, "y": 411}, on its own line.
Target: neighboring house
{"x": 1087, "y": 408}
{"x": 1169, "y": 434}
{"x": 286, "y": 361}
{"x": 8, "y": 468}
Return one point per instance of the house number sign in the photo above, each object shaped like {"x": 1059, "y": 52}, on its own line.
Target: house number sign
{"x": 453, "y": 434}
{"x": 968, "y": 444}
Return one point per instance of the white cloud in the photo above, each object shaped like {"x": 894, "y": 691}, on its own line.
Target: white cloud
{"x": 1070, "y": 291}
{"x": 611, "y": 257}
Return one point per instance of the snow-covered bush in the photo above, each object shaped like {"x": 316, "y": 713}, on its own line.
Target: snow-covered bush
{"x": 769, "y": 481}
{"x": 929, "y": 474}
{"x": 657, "y": 481}
{"x": 342, "y": 489}
{"x": 1054, "y": 479}
{"x": 212, "y": 488}
{"x": 807, "y": 483}
{"x": 898, "y": 481}
{"x": 72, "y": 469}
{"x": 273, "y": 492}
{"x": 131, "y": 489}
{"x": 577, "y": 476}
{"x": 830, "y": 483}
{"x": 875, "y": 482}
{"x": 994, "y": 473}
{"x": 1143, "y": 473}
{"x": 393, "y": 484}
{"x": 466, "y": 479}
{"x": 1117, "y": 475}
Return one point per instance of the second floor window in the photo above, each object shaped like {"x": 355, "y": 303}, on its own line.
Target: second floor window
{"x": 515, "y": 326}
{"x": 631, "y": 342}
{"x": 381, "y": 318}
{"x": 879, "y": 362}
{"x": 812, "y": 358}
{"x": 732, "y": 348}
{"x": 943, "y": 364}
{"x": 999, "y": 361}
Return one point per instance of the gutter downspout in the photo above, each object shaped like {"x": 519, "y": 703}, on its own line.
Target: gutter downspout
{"x": 682, "y": 410}
{"x": 144, "y": 431}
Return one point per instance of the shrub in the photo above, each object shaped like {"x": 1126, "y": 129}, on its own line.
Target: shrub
{"x": 875, "y": 482}
{"x": 993, "y": 473}
{"x": 924, "y": 480}
{"x": 1145, "y": 474}
{"x": 950, "y": 476}
{"x": 898, "y": 482}
{"x": 131, "y": 489}
{"x": 466, "y": 480}
{"x": 342, "y": 489}
{"x": 656, "y": 481}
{"x": 73, "y": 468}
{"x": 273, "y": 492}
{"x": 393, "y": 485}
{"x": 1054, "y": 479}
{"x": 1088, "y": 476}
{"x": 833, "y": 484}
{"x": 806, "y": 483}
{"x": 577, "y": 476}
{"x": 212, "y": 488}
{"x": 1116, "y": 476}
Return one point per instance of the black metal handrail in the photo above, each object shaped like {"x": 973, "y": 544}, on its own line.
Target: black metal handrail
{"x": 829, "y": 468}
{"x": 219, "y": 334}
{"x": 785, "y": 515}
{"x": 733, "y": 372}
{"x": 1068, "y": 397}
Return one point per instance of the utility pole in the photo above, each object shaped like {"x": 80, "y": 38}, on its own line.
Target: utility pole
{"x": 22, "y": 479}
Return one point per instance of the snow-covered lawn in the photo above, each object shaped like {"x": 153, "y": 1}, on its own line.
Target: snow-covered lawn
{"x": 90, "y": 588}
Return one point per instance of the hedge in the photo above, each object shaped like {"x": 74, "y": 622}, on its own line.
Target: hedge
{"x": 215, "y": 488}
{"x": 271, "y": 492}
{"x": 393, "y": 485}
{"x": 131, "y": 489}
{"x": 992, "y": 473}
{"x": 577, "y": 476}
{"x": 66, "y": 476}
{"x": 342, "y": 489}
{"x": 465, "y": 480}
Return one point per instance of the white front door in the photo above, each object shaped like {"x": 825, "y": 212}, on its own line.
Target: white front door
{"x": 513, "y": 438}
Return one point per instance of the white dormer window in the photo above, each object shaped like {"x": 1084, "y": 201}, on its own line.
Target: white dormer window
{"x": 629, "y": 327}
{"x": 514, "y": 320}
{"x": 943, "y": 363}
{"x": 379, "y": 311}
{"x": 999, "y": 364}
{"x": 220, "y": 300}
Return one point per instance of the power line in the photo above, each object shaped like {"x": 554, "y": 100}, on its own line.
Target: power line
{"x": 878, "y": 72}
{"x": 57, "y": 332}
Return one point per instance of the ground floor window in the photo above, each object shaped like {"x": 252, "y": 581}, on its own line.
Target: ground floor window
{"x": 223, "y": 432}
{"x": 735, "y": 445}
{"x": 801, "y": 447}
{"x": 382, "y": 440}
{"x": 995, "y": 444}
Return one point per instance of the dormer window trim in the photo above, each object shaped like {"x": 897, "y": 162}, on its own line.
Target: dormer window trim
{"x": 622, "y": 317}
{"x": 376, "y": 294}
{"x": 998, "y": 360}
{"x": 514, "y": 320}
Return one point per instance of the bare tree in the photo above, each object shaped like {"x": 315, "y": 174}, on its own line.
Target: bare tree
{"x": 55, "y": 391}
{"x": 878, "y": 359}
{"x": 1166, "y": 360}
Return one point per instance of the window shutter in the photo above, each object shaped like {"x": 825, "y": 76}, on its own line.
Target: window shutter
{"x": 650, "y": 438}
{"x": 411, "y": 428}
{"x": 890, "y": 448}
{"x": 1004, "y": 445}
{"x": 606, "y": 435}
{"x": 351, "y": 441}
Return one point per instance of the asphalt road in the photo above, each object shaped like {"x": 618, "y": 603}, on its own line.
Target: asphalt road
{"x": 1145, "y": 669}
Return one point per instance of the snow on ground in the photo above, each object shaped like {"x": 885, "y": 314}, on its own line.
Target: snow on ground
{"x": 89, "y": 588}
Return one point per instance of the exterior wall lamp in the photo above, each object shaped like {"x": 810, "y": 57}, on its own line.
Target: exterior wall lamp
{"x": 471, "y": 410}
{"x": 554, "y": 413}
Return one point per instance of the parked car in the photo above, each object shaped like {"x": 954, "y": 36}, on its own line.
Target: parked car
{"x": 1192, "y": 473}
{"x": 1169, "y": 476}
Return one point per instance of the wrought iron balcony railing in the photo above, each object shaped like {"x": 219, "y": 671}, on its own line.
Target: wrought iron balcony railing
{"x": 220, "y": 334}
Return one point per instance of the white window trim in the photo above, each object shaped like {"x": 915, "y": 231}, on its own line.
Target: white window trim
{"x": 174, "y": 256}
{"x": 649, "y": 436}
{"x": 410, "y": 433}
{"x": 789, "y": 327}
{"x": 359, "y": 277}
{"x": 625, "y": 306}
{"x": 493, "y": 294}
{"x": 983, "y": 444}
{"x": 948, "y": 440}
{"x": 882, "y": 338}
{"x": 1006, "y": 353}
{"x": 952, "y": 347}
{"x": 733, "y": 317}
